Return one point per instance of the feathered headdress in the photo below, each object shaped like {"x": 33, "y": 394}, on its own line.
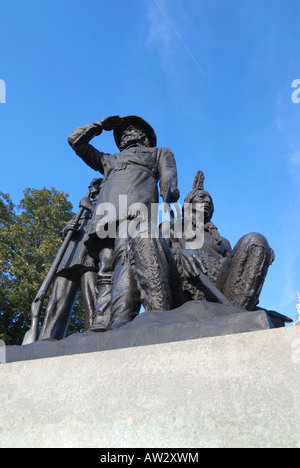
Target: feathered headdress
{"x": 198, "y": 186}
{"x": 199, "y": 181}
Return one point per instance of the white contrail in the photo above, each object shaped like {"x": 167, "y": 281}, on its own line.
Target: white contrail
{"x": 181, "y": 39}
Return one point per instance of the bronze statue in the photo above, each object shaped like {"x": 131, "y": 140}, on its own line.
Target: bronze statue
{"x": 132, "y": 173}
{"x": 160, "y": 267}
{"x": 77, "y": 270}
{"x": 237, "y": 274}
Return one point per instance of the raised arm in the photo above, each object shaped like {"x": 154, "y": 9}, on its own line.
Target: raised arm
{"x": 79, "y": 141}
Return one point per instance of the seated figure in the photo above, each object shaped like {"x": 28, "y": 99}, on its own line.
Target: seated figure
{"x": 167, "y": 267}
{"x": 238, "y": 273}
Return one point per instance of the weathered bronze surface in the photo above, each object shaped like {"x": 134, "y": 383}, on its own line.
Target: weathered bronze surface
{"x": 123, "y": 260}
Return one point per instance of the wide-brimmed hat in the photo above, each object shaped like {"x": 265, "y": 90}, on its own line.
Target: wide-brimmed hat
{"x": 134, "y": 120}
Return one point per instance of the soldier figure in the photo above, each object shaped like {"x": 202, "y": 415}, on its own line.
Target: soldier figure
{"x": 77, "y": 270}
{"x": 133, "y": 172}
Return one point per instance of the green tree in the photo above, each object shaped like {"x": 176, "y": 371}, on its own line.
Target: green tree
{"x": 29, "y": 240}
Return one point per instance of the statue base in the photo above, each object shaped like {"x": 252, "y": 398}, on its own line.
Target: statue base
{"x": 239, "y": 391}
{"x": 193, "y": 320}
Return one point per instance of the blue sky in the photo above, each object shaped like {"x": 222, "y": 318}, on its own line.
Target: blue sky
{"x": 213, "y": 77}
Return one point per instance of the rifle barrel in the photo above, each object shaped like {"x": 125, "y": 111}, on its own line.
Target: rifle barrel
{"x": 32, "y": 334}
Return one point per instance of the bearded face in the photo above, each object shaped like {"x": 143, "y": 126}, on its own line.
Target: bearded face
{"x": 132, "y": 136}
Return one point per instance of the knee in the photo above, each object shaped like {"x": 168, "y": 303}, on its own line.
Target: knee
{"x": 256, "y": 240}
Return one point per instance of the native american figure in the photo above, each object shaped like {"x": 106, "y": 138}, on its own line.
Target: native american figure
{"x": 169, "y": 269}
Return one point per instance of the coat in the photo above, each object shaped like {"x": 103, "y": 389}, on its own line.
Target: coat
{"x": 76, "y": 259}
{"x": 133, "y": 173}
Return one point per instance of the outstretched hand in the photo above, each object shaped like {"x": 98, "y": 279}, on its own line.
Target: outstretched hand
{"x": 192, "y": 262}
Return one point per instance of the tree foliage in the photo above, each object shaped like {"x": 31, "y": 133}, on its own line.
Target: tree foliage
{"x": 29, "y": 240}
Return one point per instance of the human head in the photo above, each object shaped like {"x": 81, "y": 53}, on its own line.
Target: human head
{"x": 134, "y": 129}
{"x": 133, "y": 135}
{"x": 94, "y": 187}
{"x": 199, "y": 198}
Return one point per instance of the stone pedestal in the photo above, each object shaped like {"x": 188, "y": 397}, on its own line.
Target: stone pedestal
{"x": 238, "y": 390}
{"x": 195, "y": 319}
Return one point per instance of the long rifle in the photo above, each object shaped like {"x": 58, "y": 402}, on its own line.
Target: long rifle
{"x": 32, "y": 334}
{"x": 212, "y": 289}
